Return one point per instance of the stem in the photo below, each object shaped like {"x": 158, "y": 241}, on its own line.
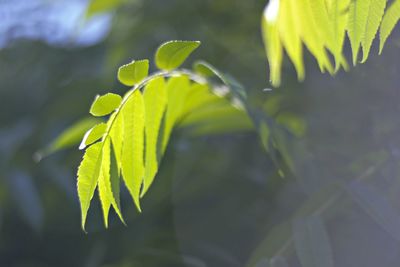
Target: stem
{"x": 192, "y": 76}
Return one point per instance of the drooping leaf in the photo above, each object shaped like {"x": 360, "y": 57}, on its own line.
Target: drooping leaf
{"x": 105, "y": 104}
{"x": 389, "y": 21}
{"x": 116, "y": 132}
{"x": 272, "y": 41}
{"x": 155, "y": 101}
{"x": 71, "y": 136}
{"x": 290, "y": 38}
{"x": 172, "y": 54}
{"x": 134, "y": 72}
{"x": 107, "y": 196}
{"x": 321, "y": 25}
{"x": 133, "y": 114}
{"x": 375, "y": 14}
{"x": 312, "y": 242}
{"x": 88, "y": 175}
{"x": 93, "y": 134}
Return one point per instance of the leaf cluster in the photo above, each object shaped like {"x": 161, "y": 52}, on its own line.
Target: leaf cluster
{"x": 321, "y": 25}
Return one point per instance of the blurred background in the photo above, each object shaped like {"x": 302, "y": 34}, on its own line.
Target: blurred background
{"x": 218, "y": 200}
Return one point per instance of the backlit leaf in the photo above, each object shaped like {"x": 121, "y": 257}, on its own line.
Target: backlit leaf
{"x": 133, "y": 114}
{"x": 134, "y": 72}
{"x": 390, "y": 20}
{"x": 88, "y": 175}
{"x": 105, "y": 104}
{"x": 93, "y": 134}
{"x": 155, "y": 101}
{"x": 171, "y": 55}
{"x": 376, "y": 11}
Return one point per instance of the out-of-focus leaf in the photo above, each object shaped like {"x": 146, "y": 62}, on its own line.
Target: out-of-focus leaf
{"x": 70, "y": 137}
{"x": 172, "y": 54}
{"x": 312, "y": 242}
{"x": 134, "y": 72}
{"x": 295, "y": 124}
{"x": 377, "y": 206}
{"x": 93, "y": 134}
{"x": 100, "y": 6}
{"x": 27, "y": 199}
{"x": 206, "y": 69}
{"x": 105, "y": 104}
{"x": 11, "y": 138}
{"x": 276, "y": 243}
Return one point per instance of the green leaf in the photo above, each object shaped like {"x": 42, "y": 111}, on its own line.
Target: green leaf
{"x": 177, "y": 90}
{"x": 390, "y": 20}
{"x": 310, "y": 32}
{"x": 105, "y": 104}
{"x": 134, "y": 72}
{"x": 358, "y": 15}
{"x": 376, "y": 11}
{"x": 133, "y": 114}
{"x": 93, "y": 134}
{"x": 290, "y": 37}
{"x": 70, "y": 137}
{"x": 338, "y": 18}
{"x": 107, "y": 196}
{"x": 172, "y": 54}
{"x": 312, "y": 242}
{"x": 116, "y": 132}
{"x": 273, "y": 45}
{"x": 155, "y": 101}
{"x": 88, "y": 174}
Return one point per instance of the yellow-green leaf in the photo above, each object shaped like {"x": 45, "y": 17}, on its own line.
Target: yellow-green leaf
{"x": 358, "y": 15}
{"x": 107, "y": 197}
{"x": 155, "y": 100}
{"x": 93, "y": 134}
{"x": 171, "y": 55}
{"x": 177, "y": 89}
{"x": 88, "y": 174}
{"x": 134, "y": 72}
{"x": 272, "y": 41}
{"x": 105, "y": 104}
{"x": 390, "y": 20}
{"x": 133, "y": 115}
{"x": 375, "y": 14}
{"x": 290, "y": 37}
